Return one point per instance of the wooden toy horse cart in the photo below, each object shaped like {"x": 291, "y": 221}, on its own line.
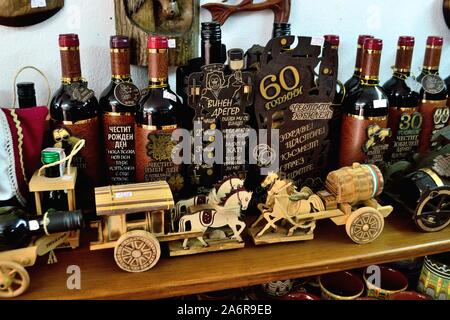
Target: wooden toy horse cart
{"x": 135, "y": 239}
{"x": 348, "y": 199}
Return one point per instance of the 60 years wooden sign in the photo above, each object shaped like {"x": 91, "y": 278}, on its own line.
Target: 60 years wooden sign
{"x": 291, "y": 97}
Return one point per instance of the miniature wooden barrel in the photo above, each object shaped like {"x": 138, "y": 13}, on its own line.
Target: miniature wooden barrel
{"x": 357, "y": 183}
{"x": 132, "y": 198}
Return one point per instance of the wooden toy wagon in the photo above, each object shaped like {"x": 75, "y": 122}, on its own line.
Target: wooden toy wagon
{"x": 348, "y": 199}
{"x": 133, "y": 223}
{"x": 14, "y": 278}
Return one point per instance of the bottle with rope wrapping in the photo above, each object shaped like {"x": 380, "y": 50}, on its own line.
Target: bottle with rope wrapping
{"x": 74, "y": 113}
{"x": 156, "y": 118}
{"x": 118, "y": 104}
{"x": 405, "y": 121}
{"x": 433, "y": 95}
{"x": 364, "y": 131}
{"x": 355, "y": 78}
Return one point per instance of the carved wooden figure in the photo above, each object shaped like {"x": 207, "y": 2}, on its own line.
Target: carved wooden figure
{"x": 177, "y": 19}
{"x": 348, "y": 199}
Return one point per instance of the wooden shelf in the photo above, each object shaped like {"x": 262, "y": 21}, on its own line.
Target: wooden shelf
{"x": 331, "y": 250}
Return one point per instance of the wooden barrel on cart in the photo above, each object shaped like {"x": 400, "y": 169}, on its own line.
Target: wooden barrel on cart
{"x": 356, "y": 183}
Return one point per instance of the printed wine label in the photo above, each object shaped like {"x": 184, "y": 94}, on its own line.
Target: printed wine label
{"x": 436, "y": 115}
{"x": 118, "y": 135}
{"x": 363, "y": 140}
{"x": 154, "y": 156}
{"x": 405, "y": 124}
{"x": 66, "y": 134}
{"x": 127, "y": 94}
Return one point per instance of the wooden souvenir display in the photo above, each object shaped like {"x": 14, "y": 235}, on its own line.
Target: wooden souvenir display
{"x": 221, "y": 12}
{"x": 39, "y": 184}
{"x": 21, "y": 13}
{"x": 220, "y": 94}
{"x": 422, "y": 187}
{"x": 290, "y": 98}
{"x": 348, "y": 199}
{"x": 176, "y": 19}
{"x": 14, "y": 279}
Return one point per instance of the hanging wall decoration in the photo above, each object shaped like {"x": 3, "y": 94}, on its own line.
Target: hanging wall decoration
{"x": 21, "y": 13}
{"x": 290, "y": 98}
{"x": 221, "y": 12}
{"x": 176, "y": 19}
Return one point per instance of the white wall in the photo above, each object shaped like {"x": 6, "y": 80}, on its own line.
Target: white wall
{"x": 93, "y": 20}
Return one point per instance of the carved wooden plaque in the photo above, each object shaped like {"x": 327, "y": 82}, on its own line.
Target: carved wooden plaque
{"x": 220, "y": 95}
{"x": 289, "y": 97}
{"x": 176, "y": 19}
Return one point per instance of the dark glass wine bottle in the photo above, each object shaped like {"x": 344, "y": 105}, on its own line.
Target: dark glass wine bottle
{"x": 118, "y": 104}
{"x": 212, "y": 51}
{"x": 74, "y": 113}
{"x": 405, "y": 121}
{"x": 365, "y": 108}
{"x": 55, "y": 199}
{"x": 433, "y": 95}
{"x": 354, "y": 80}
{"x": 17, "y": 226}
{"x": 156, "y": 119}
{"x": 26, "y": 95}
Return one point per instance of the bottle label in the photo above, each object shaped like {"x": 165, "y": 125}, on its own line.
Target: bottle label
{"x": 127, "y": 94}
{"x": 33, "y": 225}
{"x": 66, "y": 134}
{"x": 118, "y": 135}
{"x": 79, "y": 91}
{"x": 154, "y": 156}
{"x": 405, "y": 124}
{"x": 363, "y": 140}
{"x": 436, "y": 116}
{"x": 433, "y": 84}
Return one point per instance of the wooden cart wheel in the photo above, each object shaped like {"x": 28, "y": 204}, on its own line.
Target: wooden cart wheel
{"x": 137, "y": 251}
{"x": 435, "y": 202}
{"x": 14, "y": 279}
{"x": 364, "y": 225}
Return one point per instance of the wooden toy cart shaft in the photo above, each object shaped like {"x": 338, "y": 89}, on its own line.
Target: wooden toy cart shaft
{"x": 136, "y": 242}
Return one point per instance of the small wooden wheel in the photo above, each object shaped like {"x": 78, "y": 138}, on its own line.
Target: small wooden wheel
{"x": 14, "y": 279}
{"x": 427, "y": 212}
{"x": 364, "y": 225}
{"x": 137, "y": 251}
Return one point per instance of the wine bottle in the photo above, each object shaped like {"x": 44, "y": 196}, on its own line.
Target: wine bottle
{"x": 354, "y": 80}
{"x": 156, "y": 119}
{"x": 405, "y": 120}
{"x": 365, "y": 108}
{"x": 26, "y": 95}
{"x": 55, "y": 199}
{"x": 118, "y": 104}
{"x": 17, "y": 227}
{"x": 74, "y": 113}
{"x": 212, "y": 51}
{"x": 433, "y": 95}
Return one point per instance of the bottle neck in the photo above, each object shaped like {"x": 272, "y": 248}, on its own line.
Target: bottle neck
{"x": 281, "y": 30}
{"x": 403, "y": 60}
{"x": 120, "y": 64}
{"x": 432, "y": 59}
{"x": 27, "y": 101}
{"x": 56, "y": 221}
{"x": 70, "y": 64}
{"x": 158, "y": 68}
{"x": 211, "y": 51}
{"x": 358, "y": 62}
{"x": 370, "y": 67}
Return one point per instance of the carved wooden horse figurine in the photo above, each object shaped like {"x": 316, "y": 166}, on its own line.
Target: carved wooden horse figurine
{"x": 218, "y": 216}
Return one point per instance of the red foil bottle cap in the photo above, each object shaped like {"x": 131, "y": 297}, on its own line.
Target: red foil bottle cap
{"x": 332, "y": 39}
{"x": 435, "y": 41}
{"x": 363, "y": 38}
{"x": 373, "y": 44}
{"x": 157, "y": 42}
{"x": 406, "y": 41}
{"x": 69, "y": 40}
{"x": 119, "y": 42}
